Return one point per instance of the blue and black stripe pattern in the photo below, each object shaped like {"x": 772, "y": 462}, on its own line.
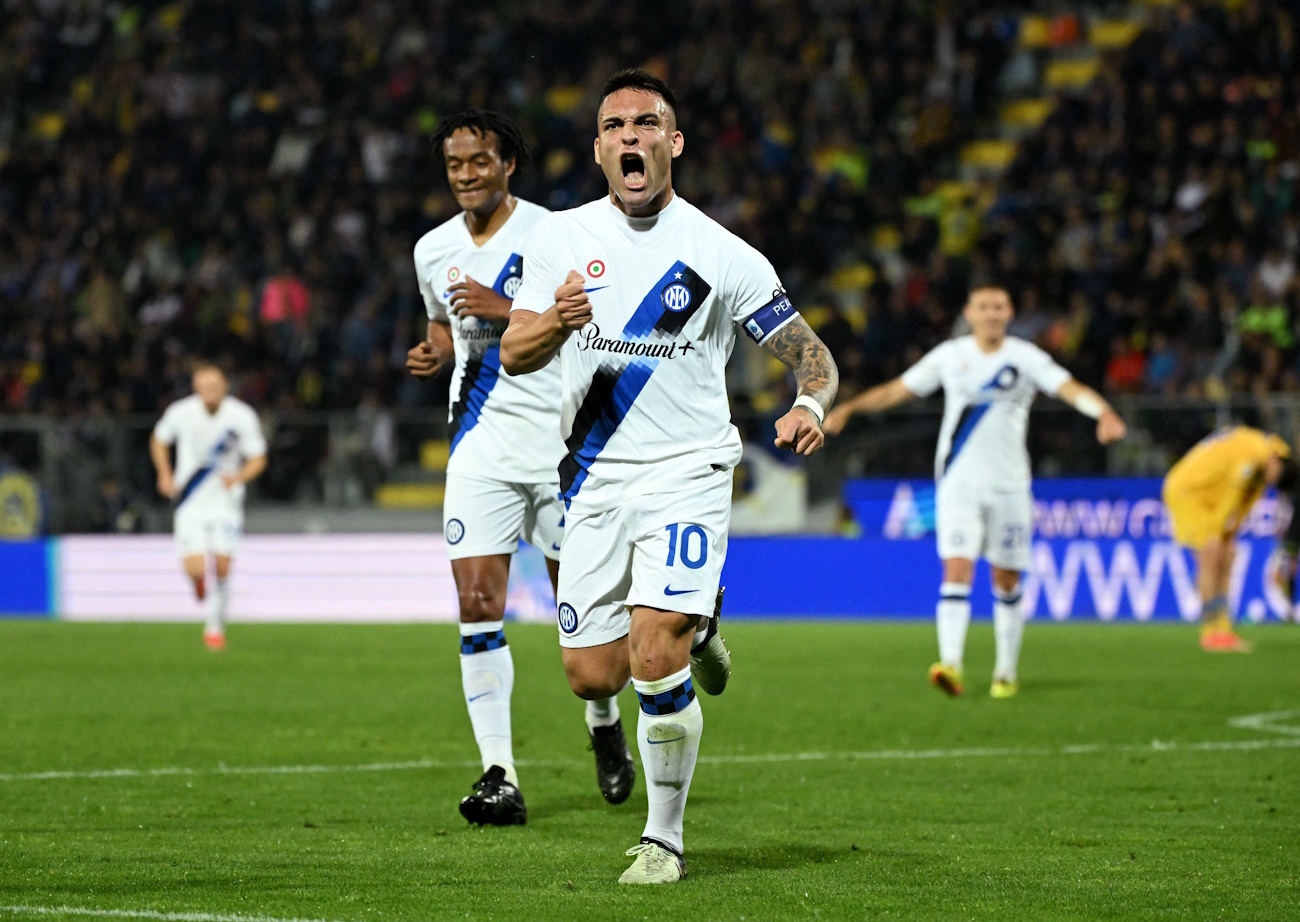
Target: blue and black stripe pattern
{"x": 671, "y": 302}
{"x": 476, "y": 384}
{"x": 668, "y": 702}
{"x": 227, "y": 440}
{"x": 612, "y": 393}
{"x": 482, "y": 643}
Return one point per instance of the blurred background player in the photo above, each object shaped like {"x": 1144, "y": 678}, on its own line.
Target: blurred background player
{"x": 983, "y": 503}
{"x": 640, "y": 294}
{"x": 502, "y": 480}
{"x": 1209, "y": 493}
{"x": 219, "y": 449}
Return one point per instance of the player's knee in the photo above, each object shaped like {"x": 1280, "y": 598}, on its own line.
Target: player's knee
{"x": 1006, "y": 580}
{"x": 481, "y": 602}
{"x": 222, "y": 567}
{"x": 957, "y": 570}
{"x": 591, "y": 683}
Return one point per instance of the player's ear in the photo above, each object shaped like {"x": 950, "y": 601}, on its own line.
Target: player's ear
{"x": 596, "y": 145}
{"x": 679, "y": 144}
{"x": 510, "y": 167}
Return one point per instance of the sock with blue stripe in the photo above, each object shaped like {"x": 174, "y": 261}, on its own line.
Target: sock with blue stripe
{"x": 1008, "y": 630}
{"x": 487, "y": 674}
{"x": 952, "y": 616}
{"x": 668, "y": 734}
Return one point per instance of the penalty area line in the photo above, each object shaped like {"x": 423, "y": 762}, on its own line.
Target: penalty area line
{"x": 139, "y": 914}
{"x": 877, "y": 755}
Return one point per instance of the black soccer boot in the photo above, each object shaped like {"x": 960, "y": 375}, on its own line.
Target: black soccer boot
{"x": 495, "y": 801}
{"x": 615, "y": 772}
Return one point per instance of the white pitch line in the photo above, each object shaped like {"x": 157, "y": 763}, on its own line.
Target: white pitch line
{"x": 139, "y": 914}
{"x": 1267, "y": 723}
{"x": 878, "y": 755}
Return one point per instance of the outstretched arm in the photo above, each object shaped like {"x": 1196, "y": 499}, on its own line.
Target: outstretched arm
{"x": 1110, "y": 428}
{"x": 532, "y": 340}
{"x": 799, "y": 348}
{"x": 872, "y": 400}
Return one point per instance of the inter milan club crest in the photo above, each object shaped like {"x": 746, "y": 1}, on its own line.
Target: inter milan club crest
{"x": 595, "y": 269}
{"x": 676, "y": 297}
{"x": 453, "y": 274}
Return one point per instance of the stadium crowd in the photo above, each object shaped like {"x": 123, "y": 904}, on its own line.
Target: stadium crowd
{"x": 246, "y": 181}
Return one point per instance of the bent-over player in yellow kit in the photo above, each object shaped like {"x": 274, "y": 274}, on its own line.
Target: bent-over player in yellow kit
{"x": 1209, "y": 493}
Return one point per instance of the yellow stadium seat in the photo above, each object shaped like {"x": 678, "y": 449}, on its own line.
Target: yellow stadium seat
{"x": 1071, "y": 74}
{"x": 1035, "y": 32}
{"x": 1026, "y": 114}
{"x": 434, "y": 454}
{"x": 410, "y": 495}
{"x": 1113, "y": 34}
{"x": 992, "y": 155}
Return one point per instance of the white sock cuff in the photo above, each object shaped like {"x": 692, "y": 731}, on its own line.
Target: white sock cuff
{"x": 954, "y": 592}
{"x": 667, "y": 683}
{"x": 481, "y": 627}
{"x": 1008, "y": 596}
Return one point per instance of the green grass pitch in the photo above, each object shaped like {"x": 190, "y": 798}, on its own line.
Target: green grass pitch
{"x": 313, "y": 772}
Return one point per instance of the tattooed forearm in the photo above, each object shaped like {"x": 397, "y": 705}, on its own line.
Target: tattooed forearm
{"x": 799, "y": 348}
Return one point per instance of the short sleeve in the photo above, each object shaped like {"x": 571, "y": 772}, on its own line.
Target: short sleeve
{"x": 434, "y": 308}
{"x": 252, "y": 443}
{"x": 755, "y": 295}
{"x": 166, "y": 429}
{"x": 926, "y": 376}
{"x": 541, "y": 276}
{"x": 1047, "y": 376}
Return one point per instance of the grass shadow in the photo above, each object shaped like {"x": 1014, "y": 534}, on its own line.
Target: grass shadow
{"x": 744, "y": 860}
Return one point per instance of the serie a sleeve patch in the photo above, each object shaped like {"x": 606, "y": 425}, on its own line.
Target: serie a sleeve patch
{"x": 770, "y": 317}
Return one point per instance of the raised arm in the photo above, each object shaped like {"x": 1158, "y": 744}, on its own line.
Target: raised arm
{"x": 532, "y": 339}
{"x": 872, "y": 400}
{"x": 1110, "y": 428}
{"x": 799, "y": 348}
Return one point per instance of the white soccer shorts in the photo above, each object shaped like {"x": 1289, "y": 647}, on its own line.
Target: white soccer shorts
{"x": 660, "y": 550}
{"x": 482, "y": 517}
{"x": 207, "y": 529}
{"x": 994, "y": 525}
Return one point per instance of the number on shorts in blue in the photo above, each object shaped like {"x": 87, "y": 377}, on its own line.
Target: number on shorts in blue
{"x": 692, "y": 561}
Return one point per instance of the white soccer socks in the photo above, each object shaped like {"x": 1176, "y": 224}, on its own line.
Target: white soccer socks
{"x": 1008, "y": 630}
{"x": 217, "y": 600}
{"x": 603, "y": 712}
{"x": 953, "y": 617}
{"x": 487, "y": 674}
{"x": 668, "y": 734}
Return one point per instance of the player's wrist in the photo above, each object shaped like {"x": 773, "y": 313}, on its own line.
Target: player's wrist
{"x": 812, "y": 406}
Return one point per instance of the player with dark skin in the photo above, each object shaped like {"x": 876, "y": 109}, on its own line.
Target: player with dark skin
{"x": 480, "y": 182}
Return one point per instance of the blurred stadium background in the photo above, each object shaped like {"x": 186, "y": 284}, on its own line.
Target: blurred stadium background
{"x": 246, "y": 182}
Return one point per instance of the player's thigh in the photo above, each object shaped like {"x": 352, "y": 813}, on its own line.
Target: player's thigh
{"x": 190, "y": 532}
{"x": 958, "y": 523}
{"x": 681, "y": 545}
{"x": 1010, "y": 530}
{"x": 595, "y": 579}
{"x": 225, "y": 530}
{"x": 543, "y": 517}
{"x": 481, "y": 585}
{"x": 482, "y": 517}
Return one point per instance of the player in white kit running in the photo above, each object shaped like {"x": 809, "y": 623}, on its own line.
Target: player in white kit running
{"x": 219, "y": 449}
{"x": 502, "y": 482}
{"x": 983, "y": 504}
{"x": 640, "y": 294}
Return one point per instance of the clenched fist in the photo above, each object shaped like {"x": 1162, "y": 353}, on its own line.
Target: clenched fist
{"x": 423, "y": 360}
{"x": 571, "y": 302}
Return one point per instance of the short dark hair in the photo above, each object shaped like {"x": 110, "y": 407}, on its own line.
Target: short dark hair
{"x": 634, "y": 78}
{"x": 510, "y": 140}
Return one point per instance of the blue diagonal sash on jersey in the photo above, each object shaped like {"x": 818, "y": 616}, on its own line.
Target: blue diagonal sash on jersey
{"x": 513, "y": 269}
{"x": 611, "y": 395}
{"x": 202, "y": 474}
{"x": 475, "y": 385}
{"x": 671, "y": 302}
{"x": 971, "y": 416}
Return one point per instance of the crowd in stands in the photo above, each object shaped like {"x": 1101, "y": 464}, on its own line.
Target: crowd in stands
{"x": 246, "y": 181}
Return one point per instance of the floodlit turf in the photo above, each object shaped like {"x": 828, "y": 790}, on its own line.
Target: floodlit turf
{"x": 1068, "y": 802}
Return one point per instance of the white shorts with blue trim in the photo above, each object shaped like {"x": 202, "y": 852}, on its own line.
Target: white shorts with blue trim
{"x": 661, "y": 550}
{"x": 997, "y": 526}
{"x": 207, "y": 528}
{"x": 482, "y": 517}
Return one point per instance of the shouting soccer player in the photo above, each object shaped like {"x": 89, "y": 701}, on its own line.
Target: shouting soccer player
{"x": 219, "y": 449}
{"x": 640, "y": 294}
{"x": 502, "y": 480}
{"x": 983, "y": 504}
{"x": 1209, "y": 494}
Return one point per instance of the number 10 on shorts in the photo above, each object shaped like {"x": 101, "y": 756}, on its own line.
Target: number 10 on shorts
{"x": 694, "y": 545}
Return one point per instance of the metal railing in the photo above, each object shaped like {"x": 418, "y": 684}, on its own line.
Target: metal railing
{"x": 337, "y": 460}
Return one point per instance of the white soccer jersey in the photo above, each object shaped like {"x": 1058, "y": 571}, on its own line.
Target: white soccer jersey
{"x": 502, "y": 427}
{"x": 986, "y": 408}
{"x": 209, "y": 445}
{"x": 645, "y": 395}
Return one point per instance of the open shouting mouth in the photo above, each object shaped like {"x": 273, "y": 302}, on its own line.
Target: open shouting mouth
{"x": 633, "y": 166}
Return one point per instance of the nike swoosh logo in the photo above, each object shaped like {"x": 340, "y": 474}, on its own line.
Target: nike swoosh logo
{"x": 478, "y": 696}
{"x": 669, "y": 590}
{"x": 555, "y": 547}
{"x": 675, "y": 739}
{"x": 597, "y": 288}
